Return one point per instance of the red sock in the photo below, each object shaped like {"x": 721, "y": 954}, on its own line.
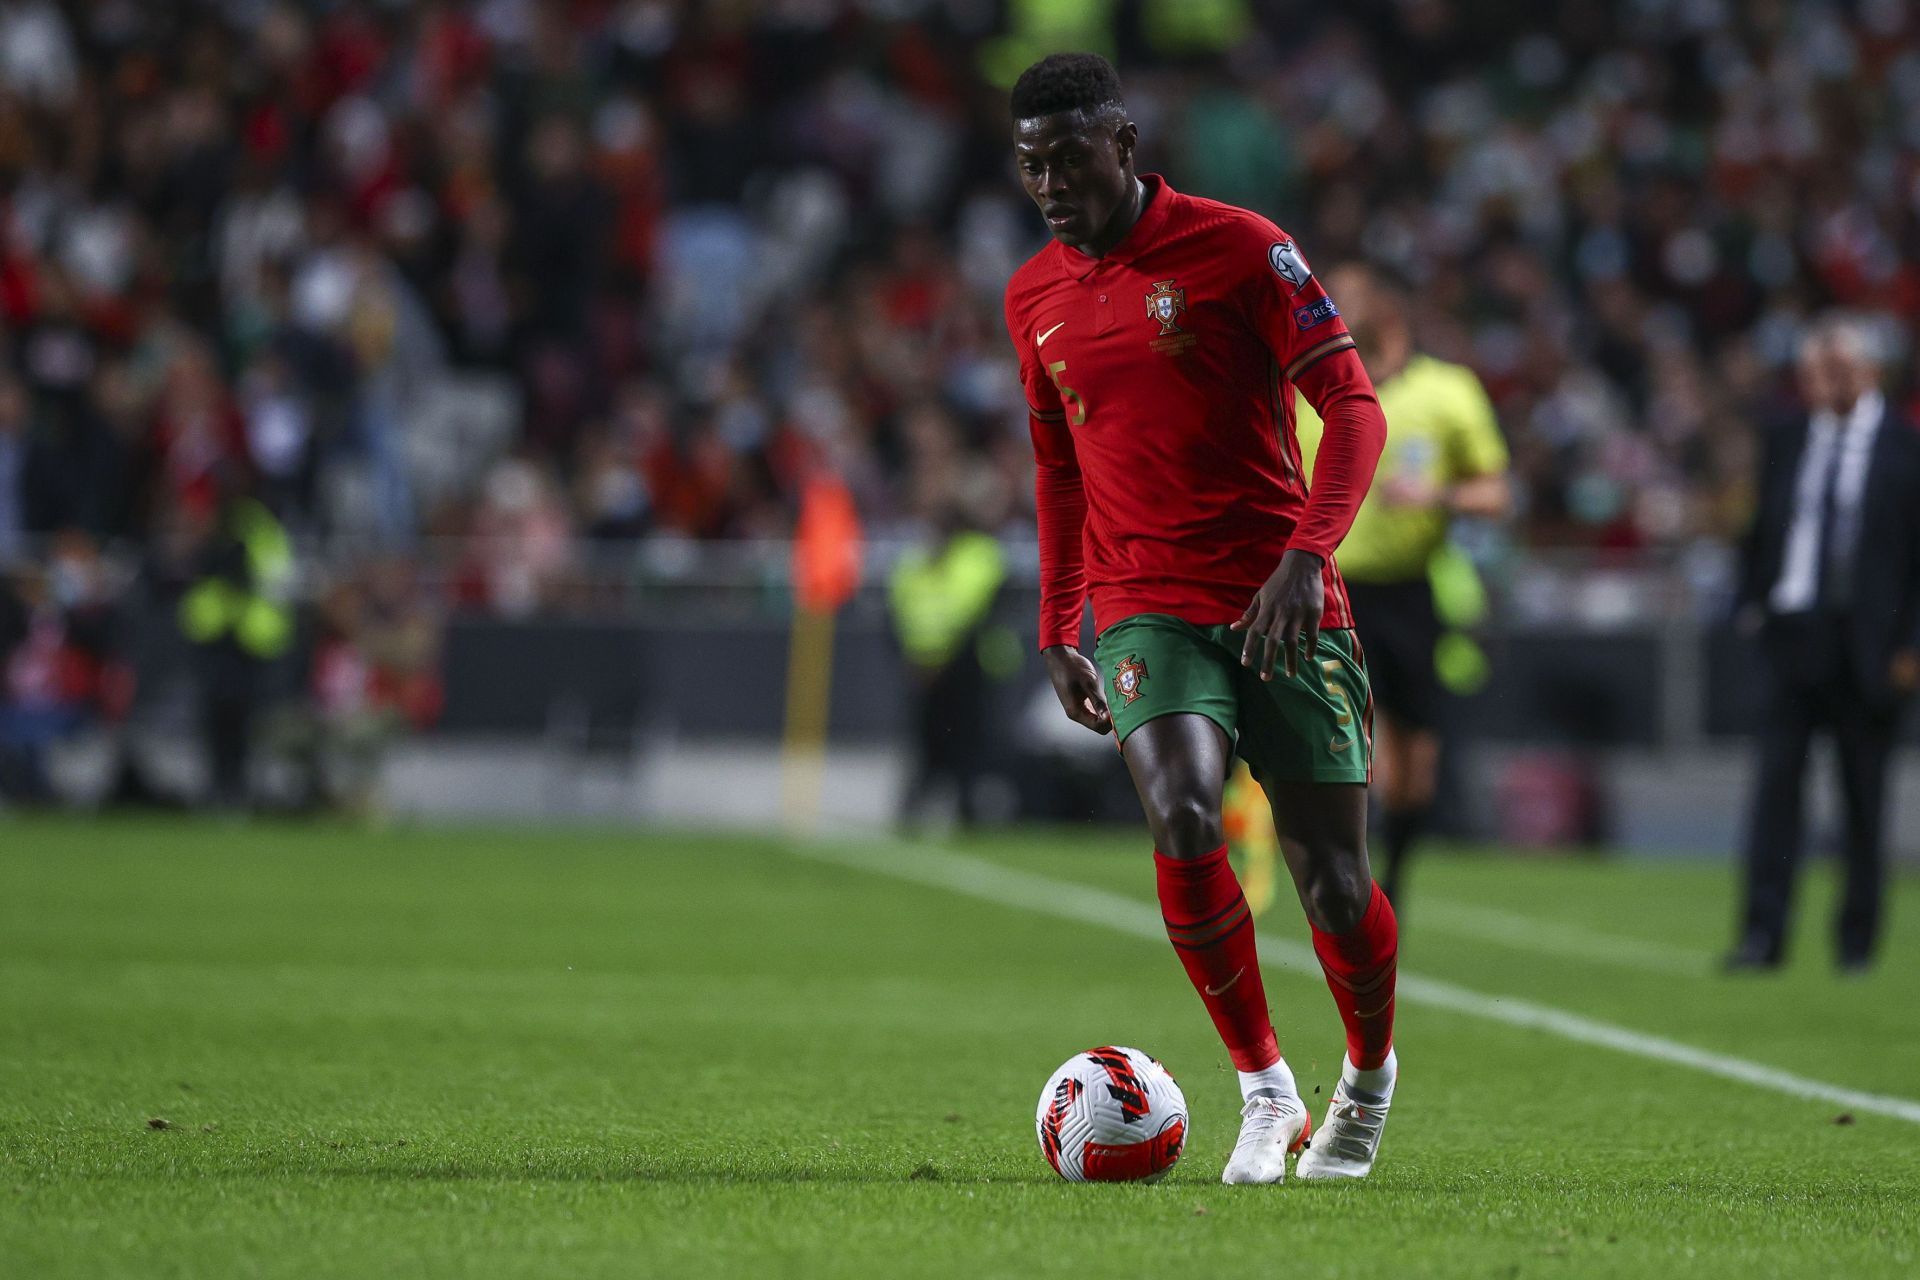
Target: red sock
{"x": 1360, "y": 967}
{"x": 1212, "y": 933}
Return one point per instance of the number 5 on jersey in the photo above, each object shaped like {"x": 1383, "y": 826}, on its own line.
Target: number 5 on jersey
{"x": 1079, "y": 414}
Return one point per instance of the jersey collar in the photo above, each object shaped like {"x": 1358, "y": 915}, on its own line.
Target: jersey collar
{"x": 1139, "y": 237}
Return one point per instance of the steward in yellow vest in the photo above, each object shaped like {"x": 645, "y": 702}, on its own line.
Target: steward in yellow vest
{"x": 238, "y": 614}
{"x": 941, "y": 599}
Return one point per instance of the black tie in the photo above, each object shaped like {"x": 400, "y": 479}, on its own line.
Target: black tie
{"x": 1835, "y": 569}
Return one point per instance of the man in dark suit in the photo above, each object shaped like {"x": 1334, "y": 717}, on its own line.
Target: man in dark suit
{"x": 1831, "y": 581}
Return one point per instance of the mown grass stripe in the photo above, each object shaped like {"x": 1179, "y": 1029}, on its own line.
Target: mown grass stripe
{"x": 1023, "y": 890}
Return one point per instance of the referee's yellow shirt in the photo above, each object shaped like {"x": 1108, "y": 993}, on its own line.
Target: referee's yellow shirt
{"x": 1440, "y": 428}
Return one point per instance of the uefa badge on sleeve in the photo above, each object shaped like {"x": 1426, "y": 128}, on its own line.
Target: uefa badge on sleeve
{"x": 1284, "y": 257}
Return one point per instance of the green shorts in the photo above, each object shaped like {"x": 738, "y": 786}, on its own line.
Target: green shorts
{"x": 1315, "y": 726}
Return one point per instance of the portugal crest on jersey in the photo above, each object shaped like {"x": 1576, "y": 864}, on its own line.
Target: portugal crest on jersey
{"x": 1128, "y": 677}
{"x": 1165, "y": 304}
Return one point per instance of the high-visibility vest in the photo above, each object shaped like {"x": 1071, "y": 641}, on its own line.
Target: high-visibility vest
{"x": 938, "y": 598}
{"x": 1460, "y": 602}
{"x": 1036, "y": 28}
{"x": 1189, "y": 27}
{"x": 255, "y": 613}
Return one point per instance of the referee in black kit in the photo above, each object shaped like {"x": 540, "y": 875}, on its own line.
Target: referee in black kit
{"x": 1444, "y": 458}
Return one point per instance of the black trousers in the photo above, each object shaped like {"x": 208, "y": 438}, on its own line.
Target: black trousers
{"x": 1812, "y": 688}
{"x": 230, "y": 690}
{"x": 950, "y": 733}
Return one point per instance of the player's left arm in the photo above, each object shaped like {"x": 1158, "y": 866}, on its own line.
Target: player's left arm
{"x": 1476, "y": 453}
{"x": 1300, "y": 324}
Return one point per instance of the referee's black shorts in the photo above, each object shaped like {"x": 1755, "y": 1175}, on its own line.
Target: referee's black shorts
{"x": 1399, "y": 629}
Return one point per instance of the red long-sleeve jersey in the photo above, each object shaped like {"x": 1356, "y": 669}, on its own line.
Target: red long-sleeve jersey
{"x": 1159, "y": 383}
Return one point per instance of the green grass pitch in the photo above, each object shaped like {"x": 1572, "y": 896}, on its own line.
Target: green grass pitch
{"x": 521, "y": 1053}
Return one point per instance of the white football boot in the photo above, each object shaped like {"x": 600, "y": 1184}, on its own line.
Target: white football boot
{"x": 1270, "y": 1129}
{"x": 1349, "y": 1140}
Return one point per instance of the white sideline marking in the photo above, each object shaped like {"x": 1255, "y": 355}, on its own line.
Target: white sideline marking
{"x": 1511, "y": 929}
{"x": 1025, "y": 891}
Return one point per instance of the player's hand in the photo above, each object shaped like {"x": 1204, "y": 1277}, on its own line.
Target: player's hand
{"x": 1076, "y": 682}
{"x": 1284, "y": 618}
{"x": 1904, "y": 673}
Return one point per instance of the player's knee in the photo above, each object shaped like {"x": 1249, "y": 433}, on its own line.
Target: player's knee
{"x": 1187, "y": 826}
{"x": 1337, "y": 898}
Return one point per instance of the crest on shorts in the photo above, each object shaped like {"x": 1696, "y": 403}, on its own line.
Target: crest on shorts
{"x": 1128, "y": 677}
{"x": 1165, "y": 304}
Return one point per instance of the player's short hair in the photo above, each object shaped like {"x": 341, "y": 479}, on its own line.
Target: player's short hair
{"x": 1083, "y": 82}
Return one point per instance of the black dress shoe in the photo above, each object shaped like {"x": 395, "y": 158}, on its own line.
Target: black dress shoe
{"x": 1753, "y": 955}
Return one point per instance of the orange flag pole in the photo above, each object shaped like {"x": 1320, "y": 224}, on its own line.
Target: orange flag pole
{"x": 826, "y": 573}
{"x": 803, "y": 755}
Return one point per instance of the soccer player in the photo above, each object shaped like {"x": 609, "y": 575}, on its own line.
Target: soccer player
{"x": 1160, "y": 339}
{"x": 1444, "y": 458}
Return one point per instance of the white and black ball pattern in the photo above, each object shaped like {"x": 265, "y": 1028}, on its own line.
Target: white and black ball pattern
{"x": 1111, "y": 1114}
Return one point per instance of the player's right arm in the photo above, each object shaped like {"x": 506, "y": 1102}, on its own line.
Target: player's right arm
{"x": 1060, "y": 512}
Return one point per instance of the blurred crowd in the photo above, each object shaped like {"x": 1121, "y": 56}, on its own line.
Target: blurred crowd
{"x": 699, "y": 245}
{"x": 514, "y": 278}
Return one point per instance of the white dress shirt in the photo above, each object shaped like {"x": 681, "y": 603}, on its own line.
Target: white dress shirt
{"x": 1831, "y": 441}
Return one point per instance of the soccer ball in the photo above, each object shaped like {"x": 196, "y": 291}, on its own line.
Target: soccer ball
{"x": 1111, "y": 1114}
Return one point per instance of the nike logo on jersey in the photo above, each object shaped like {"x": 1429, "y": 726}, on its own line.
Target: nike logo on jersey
{"x": 1221, "y": 989}
{"x": 1040, "y": 339}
